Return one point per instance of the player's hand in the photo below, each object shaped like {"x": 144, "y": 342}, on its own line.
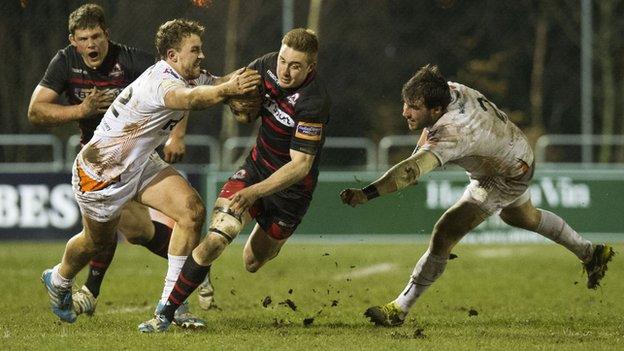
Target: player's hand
{"x": 97, "y": 101}
{"x": 174, "y": 150}
{"x": 242, "y": 81}
{"x": 353, "y": 197}
{"x": 243, "y": 200}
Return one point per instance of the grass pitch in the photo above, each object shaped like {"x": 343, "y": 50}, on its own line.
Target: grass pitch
{"x": 492, "y": 297}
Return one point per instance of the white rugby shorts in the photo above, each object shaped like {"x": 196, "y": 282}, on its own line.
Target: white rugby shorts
{"x": 493, "y": 194}
{"x": 103, "y": 201}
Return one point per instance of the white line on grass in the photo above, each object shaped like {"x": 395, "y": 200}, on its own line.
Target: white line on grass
{"x": 121, "y": 310}
{"x": 366, "y": 271}
{"x": 498, "y": 252}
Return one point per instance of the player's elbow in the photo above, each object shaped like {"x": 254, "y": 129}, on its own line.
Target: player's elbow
{"x": 35, "y": 117}
{"x": 302, "y": 169}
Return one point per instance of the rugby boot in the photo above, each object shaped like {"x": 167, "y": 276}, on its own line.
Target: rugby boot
{"x": 158, "y": 324}
{"x": 388, "y": 315}
{"x": 597, "y": 266}
{"x": 183, "y": 317}
{"x": 84, "y": 301}
{"x": 60, "y": 298}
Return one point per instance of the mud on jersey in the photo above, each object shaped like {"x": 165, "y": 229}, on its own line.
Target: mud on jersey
{"x": 67, "y": 73}
{"x": 291, "y": 119}
{"x": 136, "y": 123}
{"x": 477, "y": 136}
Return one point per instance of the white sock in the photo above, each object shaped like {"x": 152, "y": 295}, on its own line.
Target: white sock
{"x": 173, "y": 271}
{"x": 428, "y": 269}
{"x": 556, "y": 229}
{"x": 60, "y": 281}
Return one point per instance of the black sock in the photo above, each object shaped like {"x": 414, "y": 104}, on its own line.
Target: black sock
{"x": 160, "y": 242}
{"x": 190, "y": 277}
{"x": 97, "y": 268}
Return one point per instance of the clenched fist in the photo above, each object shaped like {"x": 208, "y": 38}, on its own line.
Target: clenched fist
{"x": 353, "y": 197}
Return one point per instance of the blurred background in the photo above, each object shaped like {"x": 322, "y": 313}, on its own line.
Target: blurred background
{"x": 555, "y": 66}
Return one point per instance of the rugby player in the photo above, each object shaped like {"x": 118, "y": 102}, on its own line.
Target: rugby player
{"x": 461, "y": 126}
{"x": 275, "y": 184}
{"x": 119, "y": 163}
{"x": 91, "y": 72}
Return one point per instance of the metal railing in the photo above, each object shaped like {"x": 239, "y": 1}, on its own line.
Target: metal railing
{"x": 547, "y": 140}
{"x": 54, "y": 165}
{"x": 236, "y": 143}
{"x": 227, "y": 156}
{"x": 390, "y": 141}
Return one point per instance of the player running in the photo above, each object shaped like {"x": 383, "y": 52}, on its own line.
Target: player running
{"x": 462, "y": 127}
{"x": 275, "y": 184}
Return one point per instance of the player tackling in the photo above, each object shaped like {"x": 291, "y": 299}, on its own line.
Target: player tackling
{"x": 119, "y": 163}
{"x": 462, "y": 127}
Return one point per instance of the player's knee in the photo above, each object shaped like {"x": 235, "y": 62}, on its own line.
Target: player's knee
{"x": 194, "y": 214}
{"x": 225, "y": 224}
{"x": 252, "y": 266}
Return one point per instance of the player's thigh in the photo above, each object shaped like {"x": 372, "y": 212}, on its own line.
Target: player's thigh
{"x": 135, "y": 223}
{"x": 171, "y": 194}
{"x": 456, "y": 222}
{"x": 522, "y": 215}
{"x": 100, "y": 234}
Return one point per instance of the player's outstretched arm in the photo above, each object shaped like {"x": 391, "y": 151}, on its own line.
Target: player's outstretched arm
{"x": 401, "y": 175}
{"x": 204, "y": 96}
{"x": 45, "y": 110}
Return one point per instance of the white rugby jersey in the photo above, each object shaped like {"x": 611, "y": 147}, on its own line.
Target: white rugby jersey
{"x": 136, "y": 123}
{"x": 477, "y": 136}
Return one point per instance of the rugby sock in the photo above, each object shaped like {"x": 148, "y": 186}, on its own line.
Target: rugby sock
{"x": 556, "y": 229}
{"x": 59, "y": 280}
{"x": 97, "y": 268}
{"x": 173, "y": 271}
{"x": 191, "y": 276}
{"x": 428, "y": 269}
{"x": 160, "y": 241}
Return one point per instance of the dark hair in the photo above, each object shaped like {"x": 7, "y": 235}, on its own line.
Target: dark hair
{"x": 303, "y": 40}
{"x": 86, "y": 16}
{"x": 171, "y": 33}
{"x": 427, "y": 85}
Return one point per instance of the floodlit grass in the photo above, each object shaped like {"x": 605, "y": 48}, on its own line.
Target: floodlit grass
{"x": 524, "y": 297}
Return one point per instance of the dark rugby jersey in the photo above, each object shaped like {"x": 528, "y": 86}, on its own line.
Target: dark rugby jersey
{"x": 67, "y": 73}
{"x": 291, "y": 119}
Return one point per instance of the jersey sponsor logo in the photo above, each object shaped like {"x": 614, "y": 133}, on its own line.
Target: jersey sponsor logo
{"x": 292, "y": 99}
{"x": 279, "y": 115}
{"x": 272, "y": 75}
{"x": 82, "y": 93}
{"x": 116, "y": 72}
{"x": 241, "y": 174}
{"x": 172, "y": 72}
{"x": 309, "y": 131}
{"x": 79, "y": 70}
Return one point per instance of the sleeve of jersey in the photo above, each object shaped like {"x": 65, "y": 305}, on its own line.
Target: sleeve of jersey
{"x": 166, "y": 85}
{"x": 445, "y": 143}
{"x": 311, "y": 121}
{"x": 56, "y": 74}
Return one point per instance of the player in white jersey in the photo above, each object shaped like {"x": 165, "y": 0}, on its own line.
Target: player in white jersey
{"x": 460, "y": 126}
{"x": 119, "y": 163}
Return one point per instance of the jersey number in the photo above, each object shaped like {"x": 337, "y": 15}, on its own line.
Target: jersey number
{"x": 171, "y": 124}
{"x": 123, "y": 100}
{"x": 501, "y": 115}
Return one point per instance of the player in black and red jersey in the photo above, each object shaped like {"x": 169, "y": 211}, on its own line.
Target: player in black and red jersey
{"x": 276, "y": 182}
{"x": 91, "y": 72}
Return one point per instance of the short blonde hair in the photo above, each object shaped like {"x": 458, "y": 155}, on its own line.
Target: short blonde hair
{"x": 171, "y": 33}
{"x": 303, "y": 40}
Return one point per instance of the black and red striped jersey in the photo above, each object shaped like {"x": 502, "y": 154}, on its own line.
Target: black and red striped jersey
{"x": 291, "y": 119}
{"x": 68, "y": 74}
